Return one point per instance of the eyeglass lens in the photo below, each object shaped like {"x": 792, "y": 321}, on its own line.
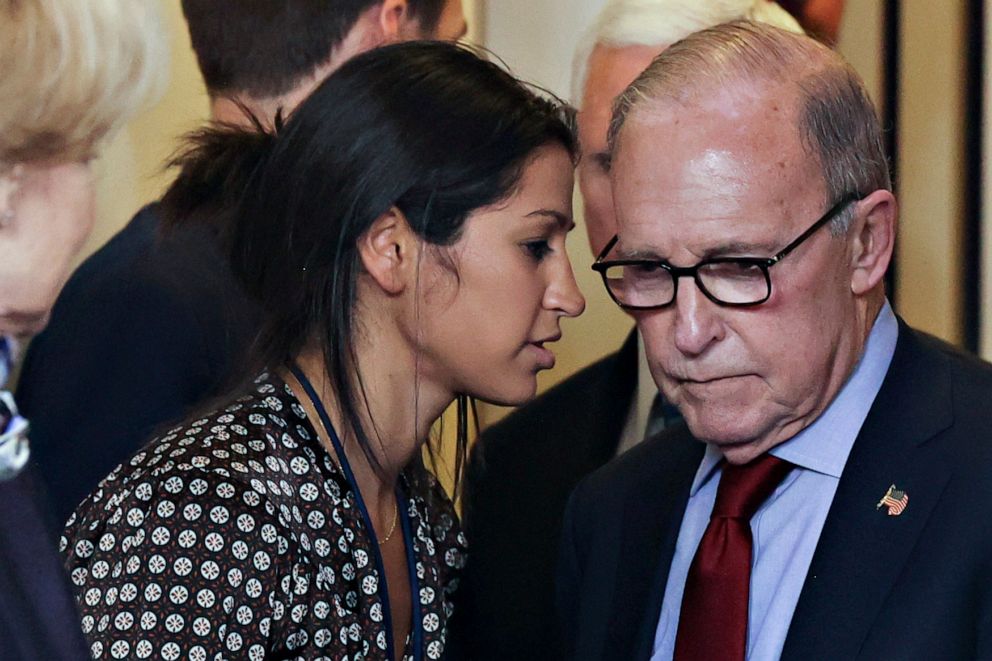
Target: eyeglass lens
{"x": 648, "y": 285}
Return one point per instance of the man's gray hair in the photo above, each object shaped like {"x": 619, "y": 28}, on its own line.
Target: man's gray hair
{"x": 836, "y": 120}
{"x": 663, "y": 22}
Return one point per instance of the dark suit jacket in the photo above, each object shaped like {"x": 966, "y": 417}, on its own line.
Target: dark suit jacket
{"x": 144, "y": 330}
{"x": 518, "y": 478}
{"x": 38, "y": 618}
{"x": 914, "y": 586}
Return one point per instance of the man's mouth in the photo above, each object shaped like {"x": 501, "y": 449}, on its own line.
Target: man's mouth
{"x": 709, "y": 381}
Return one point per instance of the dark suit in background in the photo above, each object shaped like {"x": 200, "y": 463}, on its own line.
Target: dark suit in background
{"x": 38, "y": 619}
{"x": 517, "y": 482}
{"x": 147, "y": 328}
{"x": 916, "y": 586}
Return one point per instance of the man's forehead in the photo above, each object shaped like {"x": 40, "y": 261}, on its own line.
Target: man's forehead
{"x": 724, "y": 140}
{"x": 746, "y": 218}
{"x": 711, "y": 234}
{"x": 743, "y": 108}
{"x": 707, "y": 184}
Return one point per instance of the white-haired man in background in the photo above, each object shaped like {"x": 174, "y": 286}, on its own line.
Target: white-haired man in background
{"x": 522, "y": 469}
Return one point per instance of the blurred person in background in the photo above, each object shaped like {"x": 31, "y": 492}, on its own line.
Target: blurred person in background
{"x": 522, "y": 469}
{"x": 820, "y": 18}
{"x": 404, "y": 233}
{"x": 150, "y": 326}
{"x": 70, "y": 72}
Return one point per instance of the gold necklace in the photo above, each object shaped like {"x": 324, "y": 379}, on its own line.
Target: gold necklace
{"x": 392, "y": 528}
{"x": 308, "y": 404}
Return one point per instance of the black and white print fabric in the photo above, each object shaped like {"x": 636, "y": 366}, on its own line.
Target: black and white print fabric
{"x": 237, "y": 537}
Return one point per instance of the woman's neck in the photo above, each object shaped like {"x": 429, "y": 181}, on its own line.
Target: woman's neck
{"x": 396, "y": 421}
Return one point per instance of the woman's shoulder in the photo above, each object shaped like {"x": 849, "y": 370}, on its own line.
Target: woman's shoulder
{"x": 234, "y": 451}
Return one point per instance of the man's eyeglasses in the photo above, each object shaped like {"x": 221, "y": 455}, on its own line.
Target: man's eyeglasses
{"x": 649, "y": 284}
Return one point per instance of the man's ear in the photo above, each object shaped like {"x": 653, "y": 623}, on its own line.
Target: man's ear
{"x": 874, "y": 235}
{"x": 396, "y": 20}
{"x": 388, "y": 250}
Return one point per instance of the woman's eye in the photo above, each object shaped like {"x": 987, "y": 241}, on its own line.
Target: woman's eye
{"x": 538, "y": 249}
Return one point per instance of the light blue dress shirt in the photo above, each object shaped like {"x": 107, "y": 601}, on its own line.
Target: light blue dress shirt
{"x": 787, "y": 527}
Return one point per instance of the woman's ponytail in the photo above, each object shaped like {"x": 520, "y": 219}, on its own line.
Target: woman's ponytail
{"x": 216, "y": 167}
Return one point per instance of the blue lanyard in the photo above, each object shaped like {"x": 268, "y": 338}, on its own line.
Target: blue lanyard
{"x": 411, "y": 562}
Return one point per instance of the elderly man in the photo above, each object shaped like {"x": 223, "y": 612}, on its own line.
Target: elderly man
{"x": 521, "y": 471}
{"x": 822, "y": 501}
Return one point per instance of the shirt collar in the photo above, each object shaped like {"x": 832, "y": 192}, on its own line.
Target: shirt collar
{"x": 824, "y": 445}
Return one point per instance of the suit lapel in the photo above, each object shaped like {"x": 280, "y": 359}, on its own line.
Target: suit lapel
{"x": 652, "y": 517}
{"x": 620, "y": 383}
{"x": 862, "y": 549}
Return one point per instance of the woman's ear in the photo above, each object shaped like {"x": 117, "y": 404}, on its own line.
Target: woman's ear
{"x": 874, "y": 236}
{"x": 388, "y": 250}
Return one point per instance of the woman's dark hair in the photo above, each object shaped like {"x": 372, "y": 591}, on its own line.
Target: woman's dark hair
{"x": 426, "y": 127}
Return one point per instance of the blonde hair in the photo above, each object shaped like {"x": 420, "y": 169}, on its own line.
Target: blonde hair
{"x": 663, "y": 22}
{"x": 71, "y": 71}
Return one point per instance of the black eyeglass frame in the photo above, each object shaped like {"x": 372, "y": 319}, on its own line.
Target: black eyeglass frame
{"x": 676, "y": 272}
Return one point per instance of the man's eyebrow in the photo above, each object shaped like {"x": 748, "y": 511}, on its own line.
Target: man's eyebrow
{"x": 732, "y": 249}
{"x": 564, "y": 221}
{"x": 640, "y": 253}
{"x": 741, "y": 249}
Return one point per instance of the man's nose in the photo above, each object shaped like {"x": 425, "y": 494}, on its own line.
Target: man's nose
{"x": 697, "y": 319}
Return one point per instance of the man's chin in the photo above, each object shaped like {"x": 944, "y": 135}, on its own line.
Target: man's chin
{"x": 738, "y": 441}
{"x": 742, "y": 453}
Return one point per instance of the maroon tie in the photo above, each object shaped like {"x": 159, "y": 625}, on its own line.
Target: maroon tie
{"x": 713, "y": 620}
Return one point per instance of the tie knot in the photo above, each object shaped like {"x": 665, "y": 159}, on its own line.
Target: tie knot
{"x": 744, "y": 488}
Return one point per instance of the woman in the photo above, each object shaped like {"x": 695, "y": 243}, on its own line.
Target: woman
{"x": 404, "y": 233}
{"x": 70, "y": 72}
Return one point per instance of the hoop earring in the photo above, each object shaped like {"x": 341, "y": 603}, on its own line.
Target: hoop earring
{"x": 10, "y": 186}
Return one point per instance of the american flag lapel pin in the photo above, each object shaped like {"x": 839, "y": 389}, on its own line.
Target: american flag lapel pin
{"x": 895, "y": 500}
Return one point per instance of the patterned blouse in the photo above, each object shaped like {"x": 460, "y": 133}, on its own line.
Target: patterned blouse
{"x": 236, "y": 536}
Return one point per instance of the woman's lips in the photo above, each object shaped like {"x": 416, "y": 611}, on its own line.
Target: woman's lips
{"x": 545, "y": 357}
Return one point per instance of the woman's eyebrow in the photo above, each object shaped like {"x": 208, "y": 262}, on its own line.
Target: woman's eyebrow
{"x": 564, "y": 221}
